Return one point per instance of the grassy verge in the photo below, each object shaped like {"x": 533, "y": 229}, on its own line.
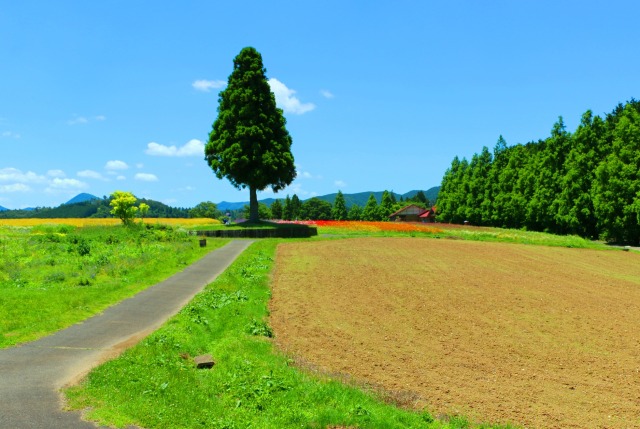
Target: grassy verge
{"x": 52, "y": 276}
{"x": 459, "y": 232}
{"x": 156, "y": 384}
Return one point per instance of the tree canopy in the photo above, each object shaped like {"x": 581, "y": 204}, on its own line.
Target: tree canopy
{"x": 124, "y": 207}
{"x": 586, "y": 183}
{"x": 205, "y": 209}
{"x": 249, "y": 143}
{"x": 339, "y": 209}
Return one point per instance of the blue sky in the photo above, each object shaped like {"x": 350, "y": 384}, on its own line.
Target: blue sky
{"x": 98, "y": 96}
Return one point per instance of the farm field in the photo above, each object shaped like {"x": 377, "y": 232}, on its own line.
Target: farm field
{"x": 538, "y": 336}
{"x": 82, "y": 222}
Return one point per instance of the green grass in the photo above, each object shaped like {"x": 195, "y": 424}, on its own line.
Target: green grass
{"x": 54, "y": 276}
{"x": 521, "y": 236}
{"x": 156, "y": 385}
{"x": 249, "y": 225}
{"x": 474, "y": 234}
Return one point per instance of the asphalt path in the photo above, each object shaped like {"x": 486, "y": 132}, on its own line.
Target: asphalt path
{"x": 31, "y": 375}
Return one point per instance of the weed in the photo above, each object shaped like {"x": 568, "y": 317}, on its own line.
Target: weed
{"x": 259, "y": 328}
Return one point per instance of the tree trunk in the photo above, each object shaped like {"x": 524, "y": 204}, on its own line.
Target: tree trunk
{"x": 253, "y": 205}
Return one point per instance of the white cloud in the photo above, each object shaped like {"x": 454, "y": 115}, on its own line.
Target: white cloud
{"x": 296, "y": 188}
{"x": 77, "y": 120}
{"x": 56, "y": 173}
{"x": 286, "y": 100}
{"x": 84, "y": 120}
{"x": 146, "y": 177}
{"x": 14, "y": 175}
{"x": 116, "y": 165}
{"x": 340, "y": 184}
{"x": 90, "y": 174}
{"x": 121, "y": 178}
{"x": 326, "y": 94}
{"x": 15, "y": 187}
{"x": 10, "y": 135}
{"x": 139, "y": 165}
{"x": 208, "y": 85}
{"x": 58, "y": 183}
{"x": 193, "y": 147}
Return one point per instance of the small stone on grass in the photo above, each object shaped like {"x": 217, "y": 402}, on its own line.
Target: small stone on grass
{"x": 204, "y": 361}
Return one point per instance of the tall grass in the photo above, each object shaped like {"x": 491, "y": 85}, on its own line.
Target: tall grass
{"x": 52, "y": 276}
{"x": 156, "y": 384}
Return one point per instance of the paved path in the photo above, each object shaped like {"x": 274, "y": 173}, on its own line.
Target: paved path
{"x": 31, "y": 375}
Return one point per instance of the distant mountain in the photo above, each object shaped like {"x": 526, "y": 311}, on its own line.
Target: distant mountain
{"x": 2, "y": 209}
{"x": 81, "y": 198}
{"x": 225, "y": 205}
{"x": 359, "y": 198}
{"x": 87, "y": 205}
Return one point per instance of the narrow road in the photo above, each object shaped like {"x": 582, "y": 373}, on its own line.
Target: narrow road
{"x": 31, "y": 375}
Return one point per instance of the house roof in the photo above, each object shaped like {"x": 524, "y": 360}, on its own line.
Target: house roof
{"x": 428, "y": 213}
{"x": 411, "y": 209}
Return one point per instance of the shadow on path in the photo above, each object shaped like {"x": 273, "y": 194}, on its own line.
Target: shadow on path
{"x": 32, "y": 374}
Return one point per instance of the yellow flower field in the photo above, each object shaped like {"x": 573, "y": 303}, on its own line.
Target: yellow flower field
{"x": 81, "y": 222}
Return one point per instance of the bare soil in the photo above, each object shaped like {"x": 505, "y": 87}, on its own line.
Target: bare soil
{"x": 535, "y": 336}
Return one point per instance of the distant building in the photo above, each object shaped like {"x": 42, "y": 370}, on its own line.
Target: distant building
{"x": 414, "y": 213}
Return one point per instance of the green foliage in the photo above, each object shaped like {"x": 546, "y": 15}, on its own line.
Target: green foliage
{"x": 249, "y": 143}
{"x": 291, "y": 208}
{"x": 370, "y": 211}
{"x": 124, "y": 208}
{"x": 259, "y": 328}
{"x": 263, "y": 211}
{"x": 355, "y": 213}
{"x": 143, "y": 209}
{"x": 315, "y": 209}
{"x": 339, "y": 209}
{"x": 205, "y": 209}
{"x": 387, "y": 206}
{"x": 54, "y": 276}
{"x": 617, "y": 183}
{"x": 586, "y": 183}
{"x": 277, "y": 210}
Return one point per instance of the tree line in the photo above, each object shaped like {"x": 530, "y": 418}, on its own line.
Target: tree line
{"x": 98, "y": 208}
{"x": 585, "y": 183}
{"x": 292, "y": 208}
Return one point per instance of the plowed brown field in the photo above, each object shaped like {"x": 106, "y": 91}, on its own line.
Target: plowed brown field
{"x": 541, "y": 337}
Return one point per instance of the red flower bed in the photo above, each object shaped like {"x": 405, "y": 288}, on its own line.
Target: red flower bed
{"x": 370, "y": 226}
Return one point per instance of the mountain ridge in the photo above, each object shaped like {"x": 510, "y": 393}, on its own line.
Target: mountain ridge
{"x": 358, "y": 198}
{"x": 81, "y": 198}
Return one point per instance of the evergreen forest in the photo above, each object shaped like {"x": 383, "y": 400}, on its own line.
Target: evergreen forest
{"x": 584, "y": 183}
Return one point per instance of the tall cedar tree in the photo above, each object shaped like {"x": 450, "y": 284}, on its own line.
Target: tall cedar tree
{"x": 286, "y": 209}
{"x": 276, "y": 209}
{"x": 296, "y": 204}
{"x": 370, "y": 211}
{"x": 249, "y": 143}
{"x": 339, "y": 210}
{"x": 386, "y": 206}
